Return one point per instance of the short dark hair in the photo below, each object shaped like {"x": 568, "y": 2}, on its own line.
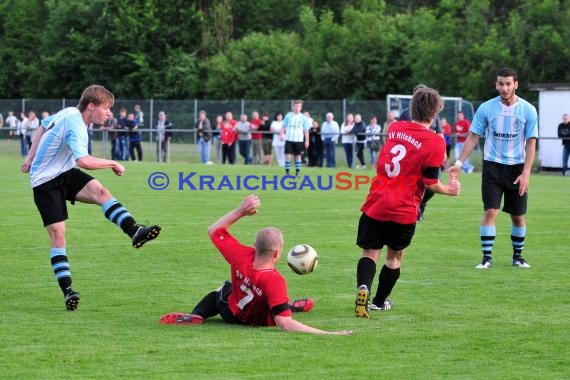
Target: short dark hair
{"x": 426, "y": 103}
{"x": 507, "y": 72}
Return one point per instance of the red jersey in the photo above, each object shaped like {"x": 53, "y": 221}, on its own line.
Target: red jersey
{"x": 409, "y": 160}
{"x": 257, "y": 295}
{"x": 255, "y": 124}
{"x": 227, "y": 134}
{"x": 461, "y": 127}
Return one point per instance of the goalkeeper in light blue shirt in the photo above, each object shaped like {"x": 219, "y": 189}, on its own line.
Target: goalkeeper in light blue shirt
{"x": 510, "y": 127}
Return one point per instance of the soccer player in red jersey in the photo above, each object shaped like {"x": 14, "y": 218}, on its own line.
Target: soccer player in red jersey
{"x": 408, "y": 164}
{"x": 257, "y": 294}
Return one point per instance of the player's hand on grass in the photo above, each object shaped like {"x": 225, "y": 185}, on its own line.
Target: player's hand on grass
{"x": 342, "y": 332}
{"x": 249, "y": 205}
{"x": 118, "y": 169}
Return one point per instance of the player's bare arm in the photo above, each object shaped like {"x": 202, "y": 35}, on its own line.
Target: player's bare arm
{"x": 247, "y": 207}
{"x": 32, "y": 153}
{"x": 95, "y": 163}
{"x": 524, "y": 179}
{"x": 452, "y": 188}
{"x": 289, "y": 324}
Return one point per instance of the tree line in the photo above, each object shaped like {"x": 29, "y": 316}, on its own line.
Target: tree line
{"x": 274, "y": 49}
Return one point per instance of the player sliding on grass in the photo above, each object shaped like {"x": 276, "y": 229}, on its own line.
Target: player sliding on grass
{"x": 408, "y": 164}
{"x": 58, "y": 146}
{"x": 257, "y": 294}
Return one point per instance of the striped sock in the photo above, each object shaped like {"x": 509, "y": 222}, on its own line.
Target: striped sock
{"x": 118, "y": 214}
{"x": 488, "y": 234}
{"x": 60, "y": 267}
{"x": 297, "y": 166}
{"x": 287, "y": 166}
{"x": 517, "y": 238}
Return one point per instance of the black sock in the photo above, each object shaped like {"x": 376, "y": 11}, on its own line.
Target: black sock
{"x": 386, "y": 281}
{"x": 207, "y": 307}
{"x": 365, "y": 272}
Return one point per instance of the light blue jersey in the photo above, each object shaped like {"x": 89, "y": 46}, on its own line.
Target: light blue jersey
{"x": 64, "y": 141}
{"x": 506, "y": 129}
{"x": 295, "y": 125}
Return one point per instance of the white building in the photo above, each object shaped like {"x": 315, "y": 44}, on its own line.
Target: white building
{"x": 553, "y": 102}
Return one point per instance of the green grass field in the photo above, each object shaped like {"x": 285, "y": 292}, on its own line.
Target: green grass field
{"x": 450, "y": 320}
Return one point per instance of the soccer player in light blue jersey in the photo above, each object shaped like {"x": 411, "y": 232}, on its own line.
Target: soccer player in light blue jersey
{"x": 59, "y": 145}
{"x": 510, "y": 127}
{"x": 296, "y": 129}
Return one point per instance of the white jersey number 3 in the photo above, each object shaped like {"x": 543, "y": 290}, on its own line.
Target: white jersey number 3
{"x": 398, "y": 152}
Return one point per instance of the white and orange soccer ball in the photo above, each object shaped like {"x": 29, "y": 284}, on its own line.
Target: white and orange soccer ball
{"x": 302, "y": 259}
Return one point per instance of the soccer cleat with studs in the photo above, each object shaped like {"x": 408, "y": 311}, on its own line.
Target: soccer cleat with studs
{"x": 386, "y": 305}
{"x": 520, "y": 263}
{"x": 145, "y": 234}
{"x": 486, "y": 263}
{"x": 181, "y": 319}
{"x": 362, "y": 304}
{"x": 71, "y": 300}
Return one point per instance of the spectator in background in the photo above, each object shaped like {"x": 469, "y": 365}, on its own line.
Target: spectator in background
{"x": 243, "y": 129}
{"x": 228, "y": 137}
{"x": 461, "y": 133}
{"x": 348, "y": 139}
{"x": 139, "y": 116}
{"x": 32, "y": 125}
{"x": 109, "y": 127}
{"x": 12, "y": 123}
{"x": 316, "y": 150}
{"x": 446, "y": 129}
{"x": 122, "y": 136}
{"x": 204, "y": 130}
{"x": 1, "y": 121}
{"x": 373, "y": 140}
{"x": 163, "y": 137}
{"x": 135, "y": 137}
{"x": 278, "y": 138}
{"x": 329, "y": 133}
{"x": 266, "y": 139}
{"x": 359, "y": 132}
{"x": 256, "y": 138}
{"x": 216, "y": 139}
{"x": 564, "y": 134}
{"x": 21, "y": 131}
{"x": 391, "y": 119}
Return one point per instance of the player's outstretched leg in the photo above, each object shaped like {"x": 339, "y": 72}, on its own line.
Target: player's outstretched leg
{"x": 118, "y": 214}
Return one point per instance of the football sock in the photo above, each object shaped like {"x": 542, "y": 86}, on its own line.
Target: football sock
{"x": 118, "y": 214}
{"x": 60, "y": 267}
{"x": 386, "y": 281}
{"x": 287, "y": 166}
{"x": 517, "y": 238}
{"x": 298, "y": 166}
{"x": 207, "y": 307}
{"x": 487, "y": 239}
{"x": 365, "y": 272}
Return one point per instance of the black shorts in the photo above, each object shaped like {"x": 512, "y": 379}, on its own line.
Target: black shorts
{"x": 375, "y": 234}
{"x": 222, "y": 303}
{"x": 294, "y": 147}
{"x": 50, "y": 197}
{"x": 498, "y": 180}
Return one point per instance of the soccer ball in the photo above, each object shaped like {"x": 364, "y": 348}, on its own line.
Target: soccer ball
{"x": 302, "y": 259}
